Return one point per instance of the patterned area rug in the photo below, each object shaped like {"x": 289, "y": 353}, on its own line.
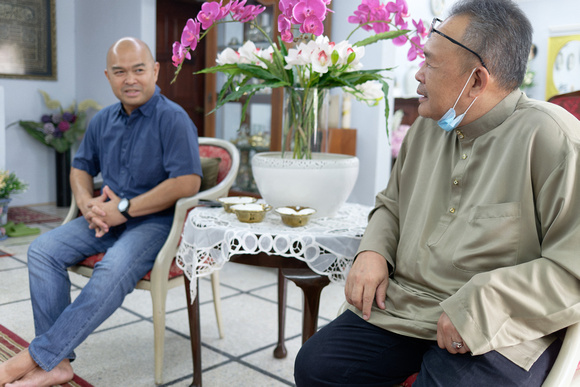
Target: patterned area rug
{"x": 4, "y": 254}
{"x": 11, "y": 344}
{"x": 28, "y": 215}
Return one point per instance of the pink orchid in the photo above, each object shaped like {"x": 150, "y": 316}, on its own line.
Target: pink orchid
{"x": 312, "y": 25}
{"x": 285, "y": 28}
{"x": 361, "y": 18}
{"x": 190, "y": 34}
{"x": 286, "y": 7}
{"x": 306, "y": 9}
{"x": 400, "y": 40}
{"x": 421, "y": 28}
{"x": 371, "y": 11}
{"x": 416, "y": 49}
{"x": 400, "y": 7}
{"x": 179, "y": 54}
{"x": 242, "y": 12}
{"x": 210, "y": 12}
{"x": 401, "y": 11}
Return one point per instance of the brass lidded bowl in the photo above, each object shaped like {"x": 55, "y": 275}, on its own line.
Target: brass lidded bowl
{"x": 230, "y": 201}
{"x": 295, "y": 216}
{"x": 251, "y": 212}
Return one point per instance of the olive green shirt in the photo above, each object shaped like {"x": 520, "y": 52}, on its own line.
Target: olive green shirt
{"x": 484, "y": 223}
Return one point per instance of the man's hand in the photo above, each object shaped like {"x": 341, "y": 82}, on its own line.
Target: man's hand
{"x": 448, "y": 337}
{"x": 103, "y": 214}
{"x": 367, "y": 281}
{"x": 92, "y": 213}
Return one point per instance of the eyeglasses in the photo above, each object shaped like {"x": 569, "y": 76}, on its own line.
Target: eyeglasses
{"x": 435, "y": 20}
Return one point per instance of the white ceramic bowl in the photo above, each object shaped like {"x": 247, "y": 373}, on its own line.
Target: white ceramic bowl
{"x": 229, "y": 201}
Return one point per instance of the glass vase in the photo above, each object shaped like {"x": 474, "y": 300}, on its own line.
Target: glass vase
{"x": 305, "y": 124}
{"x": 4, "y": 202}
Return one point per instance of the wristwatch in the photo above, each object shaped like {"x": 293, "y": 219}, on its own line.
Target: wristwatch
{"x": 123, "y": 207}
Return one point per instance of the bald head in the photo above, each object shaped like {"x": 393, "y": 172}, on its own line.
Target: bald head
{"x": 132, "y": 72}
{"x": 124, "y": 45}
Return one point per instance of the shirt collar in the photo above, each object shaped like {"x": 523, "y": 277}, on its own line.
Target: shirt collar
{"x": 147, "y": 108}
{"x": 492, "y": 119}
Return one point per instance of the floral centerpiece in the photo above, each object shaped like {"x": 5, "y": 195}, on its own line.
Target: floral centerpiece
{"x": 9, "y": 185}
{"x": 61, "y": 129}
{"x": 315, "y": 63}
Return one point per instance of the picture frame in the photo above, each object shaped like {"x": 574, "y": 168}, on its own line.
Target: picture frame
{"x": 28, "y": 39}
{"x": 562, "y": 75}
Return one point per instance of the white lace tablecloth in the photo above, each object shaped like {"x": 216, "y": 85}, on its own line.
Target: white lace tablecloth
{"x": 211, "y": 236}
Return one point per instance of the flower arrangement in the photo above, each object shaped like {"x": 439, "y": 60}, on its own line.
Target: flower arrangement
{"x": 62, "y": 129}
{"x": 10, "y": 185}
{"x": 315, "y": 63}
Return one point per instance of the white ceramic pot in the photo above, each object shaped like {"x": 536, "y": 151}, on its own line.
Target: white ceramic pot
{"x": 323, "y": 183}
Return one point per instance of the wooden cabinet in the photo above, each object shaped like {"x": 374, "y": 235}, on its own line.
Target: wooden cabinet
{"x": 225, "y": 123}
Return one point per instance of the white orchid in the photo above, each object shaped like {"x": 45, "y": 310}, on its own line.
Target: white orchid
{"x": 370, "y": 92}
{"x": 228, "y": 56}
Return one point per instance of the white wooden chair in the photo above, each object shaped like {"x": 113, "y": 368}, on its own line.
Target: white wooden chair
{"x": 165, "y": 273}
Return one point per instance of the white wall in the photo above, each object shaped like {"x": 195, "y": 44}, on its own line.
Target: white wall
{"x": 85, "y": 31}
{"x": 30, "y": 160}
{"x": 545, "y": 15}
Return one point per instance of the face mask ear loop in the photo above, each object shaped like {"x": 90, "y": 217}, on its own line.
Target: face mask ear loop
{"x": 469, "y": 107}
{"x": 462, "y": 90}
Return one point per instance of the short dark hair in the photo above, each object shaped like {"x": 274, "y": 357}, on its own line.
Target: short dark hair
{"x": 501, "y": 33}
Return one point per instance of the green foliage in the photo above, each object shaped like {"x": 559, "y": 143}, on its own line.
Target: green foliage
{"x": 10, "y": 185}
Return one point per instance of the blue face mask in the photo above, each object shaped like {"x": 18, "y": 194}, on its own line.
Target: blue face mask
{"x": 449, "y": 121}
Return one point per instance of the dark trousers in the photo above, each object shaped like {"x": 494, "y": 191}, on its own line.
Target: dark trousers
{"x": 352, "y": 352}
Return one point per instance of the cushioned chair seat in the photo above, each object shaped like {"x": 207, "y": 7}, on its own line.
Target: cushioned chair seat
{"x": 174, "y": 270}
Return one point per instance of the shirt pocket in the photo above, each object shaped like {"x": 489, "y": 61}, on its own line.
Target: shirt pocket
{"x": 491, "y": 238}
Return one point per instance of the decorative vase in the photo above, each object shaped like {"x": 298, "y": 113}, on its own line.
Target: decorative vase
{"x": 305, "y": 121}
{"x": 4, "y": 210}
{"x": 63, "y": 190}
{"x": 323, "y": 182}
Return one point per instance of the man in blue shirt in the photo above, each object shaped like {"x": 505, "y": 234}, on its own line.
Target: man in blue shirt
{"x": 146, "y": 149}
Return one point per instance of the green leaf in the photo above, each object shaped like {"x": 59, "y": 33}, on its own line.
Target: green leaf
{"x": 247, "y": 89}
{"x": 257, "y": 72}
{"x": 382, "y": 36}
{"x": 387, "y": 109}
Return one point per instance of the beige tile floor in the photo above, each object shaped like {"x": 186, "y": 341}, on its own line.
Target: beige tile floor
{"x": 120, "y": 351}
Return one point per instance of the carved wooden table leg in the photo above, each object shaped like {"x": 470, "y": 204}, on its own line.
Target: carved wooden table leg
{"x": 280, "y": 351}
{"x": 312, "y": 285}
{"x": 194, "y": 332}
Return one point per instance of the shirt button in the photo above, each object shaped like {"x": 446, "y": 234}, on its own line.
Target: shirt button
{"x": 455, "y": 182}
{"x": 459, "y": 134}
{"x": 452, "y": 210}
{"x": 464, "y": 156}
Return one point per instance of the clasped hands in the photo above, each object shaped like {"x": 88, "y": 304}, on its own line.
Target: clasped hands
{"x": 367, "y": 281}
{"x": 102, "y": 212}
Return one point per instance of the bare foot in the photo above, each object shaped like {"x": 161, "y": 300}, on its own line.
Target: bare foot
{"x": 61, "y": 374}
{"x": 16, "y": 367}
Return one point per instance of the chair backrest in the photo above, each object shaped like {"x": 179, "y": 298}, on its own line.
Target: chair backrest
{"x": 206, "y": 150}
{"x": 230, "y": 160}
{"x": 569, "y": 101}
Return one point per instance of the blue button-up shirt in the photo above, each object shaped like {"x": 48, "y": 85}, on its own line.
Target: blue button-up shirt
{"x": 137, "y": 152}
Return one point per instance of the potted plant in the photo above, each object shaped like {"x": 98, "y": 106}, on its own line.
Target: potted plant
{"x": 60, "y": 130}
{"x": 9, "y": 185}
{"x": 305, "y": 71}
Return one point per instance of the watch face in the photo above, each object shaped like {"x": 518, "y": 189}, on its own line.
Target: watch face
{"x": 123, "y": 205}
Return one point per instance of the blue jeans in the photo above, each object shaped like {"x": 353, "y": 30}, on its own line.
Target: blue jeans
{"x": 60, "y": 325}
{"x": 352, "y": 352}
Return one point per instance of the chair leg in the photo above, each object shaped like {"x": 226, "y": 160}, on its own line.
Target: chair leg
{"x": 215, "y": 287}
{"x": 158, "y": 301}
